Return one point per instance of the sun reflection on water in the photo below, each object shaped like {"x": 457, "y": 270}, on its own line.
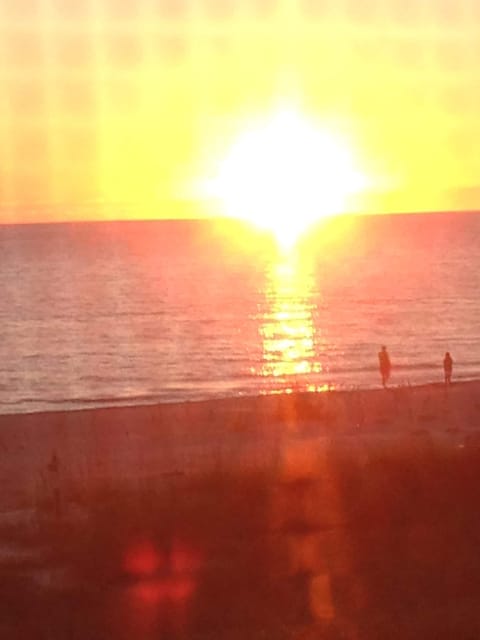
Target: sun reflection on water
{"x": 288, "y": 329}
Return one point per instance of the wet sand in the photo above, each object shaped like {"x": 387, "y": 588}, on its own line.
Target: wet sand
{"x": 333, "y": 515}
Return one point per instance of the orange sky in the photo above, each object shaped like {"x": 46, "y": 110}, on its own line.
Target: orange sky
{"x": 127, "y": 101}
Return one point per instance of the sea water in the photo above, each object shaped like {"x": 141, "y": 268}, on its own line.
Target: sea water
{"x": 100, "y": 314}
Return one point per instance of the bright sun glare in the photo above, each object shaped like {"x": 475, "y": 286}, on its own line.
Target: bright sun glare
{"x": 285, "y": 173}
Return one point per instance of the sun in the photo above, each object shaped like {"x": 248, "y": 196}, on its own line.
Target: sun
{"x": 285, "y": 173}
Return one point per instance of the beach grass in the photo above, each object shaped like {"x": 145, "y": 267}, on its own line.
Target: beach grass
{"x": 279, "y": 525}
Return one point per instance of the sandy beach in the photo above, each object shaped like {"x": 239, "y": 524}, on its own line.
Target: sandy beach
{"x": 334, "y": 515}
{"x": 100, "y": 446}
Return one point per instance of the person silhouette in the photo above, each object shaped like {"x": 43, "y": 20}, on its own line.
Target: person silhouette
{"x": 384, "y": 364}
{"x": 447, "y": 367}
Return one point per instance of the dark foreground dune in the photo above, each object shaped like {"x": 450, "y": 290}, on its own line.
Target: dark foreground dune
{"x": 337, "y": 515}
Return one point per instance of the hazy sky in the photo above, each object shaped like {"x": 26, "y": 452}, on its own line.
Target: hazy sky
{"x": 128, "y": 101}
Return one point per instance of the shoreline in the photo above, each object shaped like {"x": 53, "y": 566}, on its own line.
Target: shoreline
{"x": 130, "y": 403}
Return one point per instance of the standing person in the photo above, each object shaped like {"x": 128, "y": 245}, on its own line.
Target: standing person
{"x": 447, "y": 367}
{"x": 384, "y": 364}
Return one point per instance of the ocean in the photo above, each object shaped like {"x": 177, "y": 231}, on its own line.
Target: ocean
{"x": 121, "y": 313}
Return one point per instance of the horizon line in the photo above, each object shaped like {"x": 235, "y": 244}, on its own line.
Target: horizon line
{"x": 230, "y": 219}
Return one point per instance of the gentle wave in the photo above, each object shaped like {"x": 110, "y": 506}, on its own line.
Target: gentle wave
{"x": 192, "y": 314}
